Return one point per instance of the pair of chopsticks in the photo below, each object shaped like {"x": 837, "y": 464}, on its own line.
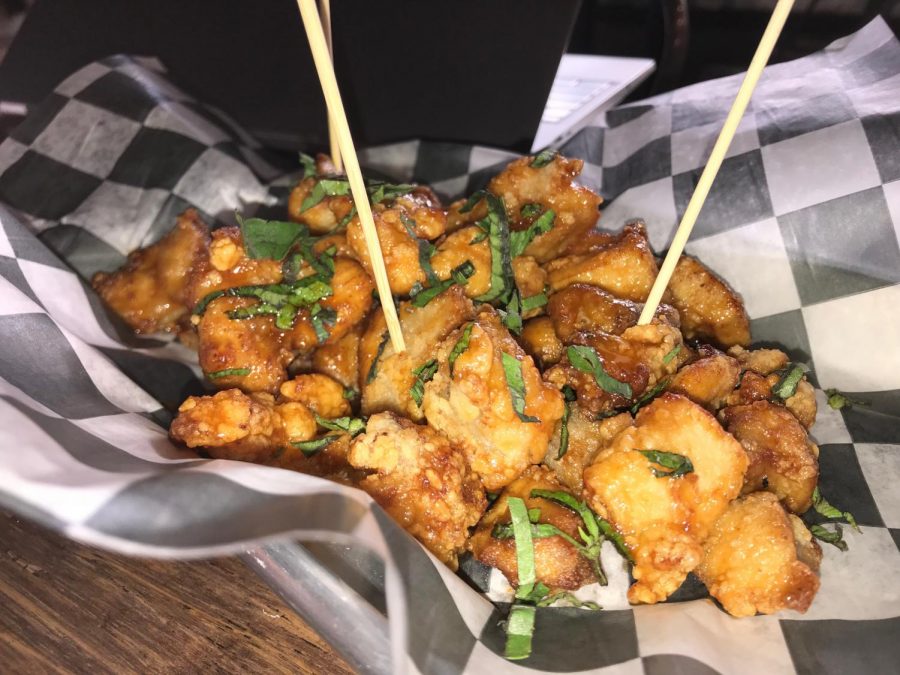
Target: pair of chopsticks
{"x": 342, "y": 147}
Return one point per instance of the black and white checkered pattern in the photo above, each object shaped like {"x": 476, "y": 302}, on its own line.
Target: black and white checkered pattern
{"x": 804, "y": 220}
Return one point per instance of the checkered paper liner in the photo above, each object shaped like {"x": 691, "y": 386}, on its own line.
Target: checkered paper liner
{"x": 803, "y": 220}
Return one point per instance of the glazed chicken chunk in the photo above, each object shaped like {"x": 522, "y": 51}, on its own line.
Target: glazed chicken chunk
{"x": 558, "y": 565}
{"x": 759, "y": 559}
{"x": 709, "y": 380}
{"x": 782, "y": 458}
{"x": 664, "y": 518}
{"x": 151, "y": 291}
{"x": 474, "y": 405}
{"x": 422, "y": 480}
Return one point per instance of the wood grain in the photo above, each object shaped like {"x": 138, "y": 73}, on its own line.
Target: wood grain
{"x": 70, "y": 608}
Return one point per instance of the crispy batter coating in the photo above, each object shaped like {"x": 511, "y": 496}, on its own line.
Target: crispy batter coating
{"x": 398, "y": 248}
{"x": 324, "y": 216}
{"x": 581, "y": 307}
{"x": 624, "y": 267}
{"x": 458, "y": 248}
{"x": 663, "y": 519}
{"x": 426, "y": 211}
{"x": 710, "y": 309}
{"x": 782, "y": 458}
{"x": 558, "y": 565}
{"x": 530, "y": 280}
{"x": 587, "y": 437}
{"x": 321, "y": 394}
{"x": 150, "y": 292}
{"x": 226, "y": 265}
{"x": 351, "y": 299}
{"x": 759, "y": 559}
{"x": 253, "y": 344}
{"x": 423, "y": 328}
{"x": 637, "y": 357}
{"x": 761, "y": 361}
{"x": 553, "y": 187}
{"x": 540, "y": 341}
{"x": 339, "y": 359}
{"x": 422, "y": 481}
{"x": 474, "y": 408}
{"x": 709, "y": 380}
{"x": 235, "y": 425}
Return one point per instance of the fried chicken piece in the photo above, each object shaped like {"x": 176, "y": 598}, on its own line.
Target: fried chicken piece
{"x": 625, "y": 267}
{"x": 473, "y": 406}
{"x": 759, "y": 559}
{"x": 321, "y": 394}
{"x": 330, "y": 462}
{"x": 782, "y": 458}
{"x": 253, "y": 345}
{"x": 385, "y": 385}
{"x": 581, "y": 307}
{"x": 761, "y": 374}
{"x": 553, "y": 187}
{"x": 589, "y": 242}
{"x": 325, "y": 216}
{"x": 399, "y": 248}
{"x": 558, "y": 565}
{"x": 339, "y": 359}
{"x": 235, "y": 425}
{"x": 709, "y": 380}
{"x": 540, "y": 341}
{"x": 150, "y": 291}
{"x": 664, "y": 520}
{"x": 226, "y": 265}
{"x": 638, "y": 358}
{"x": 426, "y": 210}
{"x": 351, "y": 299}
{"x": 587, "y": 437}
{"x": 457, "y": 249}
{"x": 710, "y": 309}
{"x": 422, "y": 481}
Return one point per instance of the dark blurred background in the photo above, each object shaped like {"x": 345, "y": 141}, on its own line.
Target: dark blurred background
{"x": 691, "y": 40}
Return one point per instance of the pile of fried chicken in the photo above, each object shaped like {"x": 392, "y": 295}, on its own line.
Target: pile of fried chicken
{"x": 525, "y": 370}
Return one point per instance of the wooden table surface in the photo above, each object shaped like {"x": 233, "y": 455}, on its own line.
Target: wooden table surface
{"x": 70, "y": 608}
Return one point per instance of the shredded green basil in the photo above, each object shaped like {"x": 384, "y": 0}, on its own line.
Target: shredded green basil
{"x": 511, "y": 315}
{"x": 838, "y": 400}
{"x": 309, "y": 165}
{"x": 519, "y": 241}
{"x": 651, "y": 394}
{"x": 834, "y": 537}
{"x": 569, "y": 397}
{"x": 671, "y": 355}
{"x": 586, "y": 360}
{"x": 530, "y": 210}
{"x": 512, "y": 368}
{"x": 228, "y": 372}
{"x": 461, "y": 346}
{"x": 373, "y": 369}
{"x": 534, "y": 302}
{"x": 350, "y": 393}
{"x": 678, "y": 465}
{"x": 339, "y": 187}
{"x": 821, "y": 505}
{"x": 423, "y": 374}
{"x": 349, "y": 425}
{"x": 542, "y": 159}
{"x": 497, "y": 226}
{"x": 790, "y": 379}
{"x": 269, "y": 238}
{"x": 315, "y": 446}
{"x": 519, "y": 632}
{"x": 458, "y": 276}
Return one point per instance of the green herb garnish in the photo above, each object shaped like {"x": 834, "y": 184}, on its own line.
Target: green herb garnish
{"x": 569, "y": 397}
{"x": 325, "y": 187}
{"x": 834, "y": 537}
{"x": 228, "y": 372}
{"x": 322, "y": 318}
{"x": 512, "y": 368}
{"x": 461, "y": 346}
{"x": 651, "y": 394}
{"x": 530, "y": 210}
{"x": 497, "y": 227}
{"x": 542, "y": 159}
{"x": 586, "y": 360}
{"x": 570, "y": 599}
{"x": 534, "y": 302}
{"x": 519, "y": 632}
{"x": 423, "y": 373}
{"x": 458, "y": 276}
{"x": 678, "y": 465}
{"x": 838, "y": 400}
{"x": 269, "y": 238}
{"x": 671, "y": 355}
{"x": 821, "y": 505}
{"x": 790, "y": 379}
{"x": 349, "y": 425}
{"x": 309, "y": 165}
{"x": 313, "y": 447}
{"x": 350, "y": 393}
{"x": 511, "y": 315}
{"x": 373, "y": 369}
{"x": 519, "y": 241}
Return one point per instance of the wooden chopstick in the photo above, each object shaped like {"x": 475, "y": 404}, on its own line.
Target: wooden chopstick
{"x": 701, "y": 192}
{"x": 335, "y": 151}
{"x": 325, "y": 69}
